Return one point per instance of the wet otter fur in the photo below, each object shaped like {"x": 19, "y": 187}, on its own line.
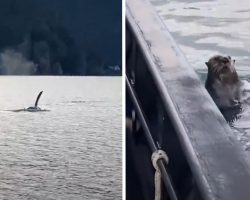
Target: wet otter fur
{"x": 223, "y": 83}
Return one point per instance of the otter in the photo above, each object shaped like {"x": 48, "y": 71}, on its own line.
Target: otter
{"x": 223, "y": 83}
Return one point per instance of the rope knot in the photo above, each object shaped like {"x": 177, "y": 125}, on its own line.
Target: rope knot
{"x": 157, "y": 155}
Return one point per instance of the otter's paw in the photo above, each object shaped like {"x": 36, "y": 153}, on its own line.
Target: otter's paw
{"x": 235, "y": 102}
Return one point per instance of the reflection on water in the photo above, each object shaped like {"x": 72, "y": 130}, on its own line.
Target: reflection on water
{"x": 204, "y": 28}
{"x": 71, "y": 152}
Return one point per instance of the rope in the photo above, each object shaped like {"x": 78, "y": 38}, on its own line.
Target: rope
{"x": 157, "y": 155}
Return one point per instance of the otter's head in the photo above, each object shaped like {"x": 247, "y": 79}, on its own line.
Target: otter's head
{"x": 222, "y": 68}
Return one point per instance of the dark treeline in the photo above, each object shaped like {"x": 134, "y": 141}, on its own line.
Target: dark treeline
{"x": 60, "y": 37}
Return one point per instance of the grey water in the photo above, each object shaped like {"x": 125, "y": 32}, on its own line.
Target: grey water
{"x": 203, "y": 28}
{"x": 73, "y": 151}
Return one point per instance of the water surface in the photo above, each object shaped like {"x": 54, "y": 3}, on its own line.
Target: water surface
{"x": 71, "y": 152}
{"x": 203, "y": 28}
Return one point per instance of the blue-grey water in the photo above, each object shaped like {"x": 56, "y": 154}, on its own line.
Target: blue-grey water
{"x": 72, "y": 151}
{"x": 203, "y": 28}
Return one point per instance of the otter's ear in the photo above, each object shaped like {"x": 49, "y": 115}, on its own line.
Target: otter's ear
{"x": 208, "y": 64}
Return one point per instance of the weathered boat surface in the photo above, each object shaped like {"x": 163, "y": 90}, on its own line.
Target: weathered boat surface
{"x": 205, "y": 156}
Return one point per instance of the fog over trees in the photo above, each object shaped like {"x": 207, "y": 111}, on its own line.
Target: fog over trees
{"x": 60, "y": 37}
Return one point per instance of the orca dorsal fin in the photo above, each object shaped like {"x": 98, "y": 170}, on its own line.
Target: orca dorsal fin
{"x": 38, "y": 97}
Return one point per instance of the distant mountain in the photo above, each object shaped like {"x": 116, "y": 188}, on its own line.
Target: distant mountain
{"x": 61, "y": 37}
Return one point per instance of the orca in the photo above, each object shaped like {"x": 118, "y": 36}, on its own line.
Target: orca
{"x": 34, "y": 108}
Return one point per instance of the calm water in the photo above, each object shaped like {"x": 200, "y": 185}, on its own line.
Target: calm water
{"x": 203, "y": 28}
{"x": 71, "y": 152}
